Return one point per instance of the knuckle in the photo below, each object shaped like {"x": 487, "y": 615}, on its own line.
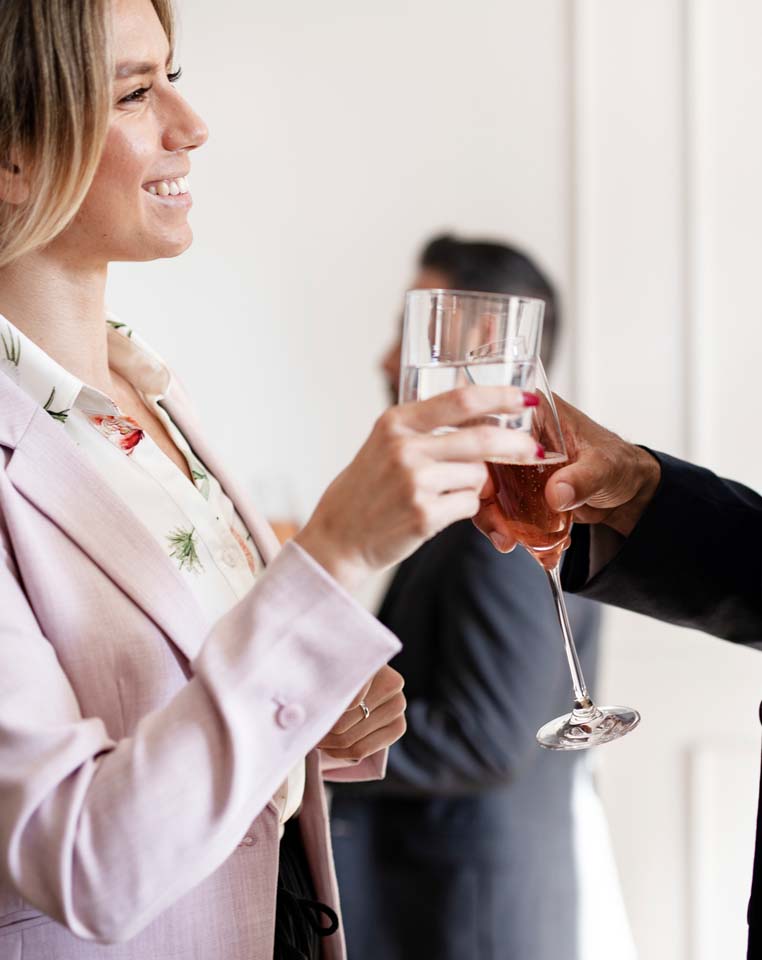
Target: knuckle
{"x": 341, "y": 740}
{"x": 419, "y": 515}
{"x": 465, "y": 401}
{"x": 487, "y": 438}
{"x": 401, "y": 453}
{"x": 389, "y": 423}
{"x": 407, "y": 485}
{"x": 356, "y": 751}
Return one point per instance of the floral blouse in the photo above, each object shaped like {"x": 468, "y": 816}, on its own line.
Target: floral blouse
{"x": 196, "y": 525}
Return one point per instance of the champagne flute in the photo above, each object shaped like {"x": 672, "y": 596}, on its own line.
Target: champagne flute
{"x": 452, "y": 338}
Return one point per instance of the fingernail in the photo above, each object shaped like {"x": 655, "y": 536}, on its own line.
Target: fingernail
{"x": 539, "y": 451}
{"x": 564, "y": 495}
{"x": 499, "y": 542}
{"x": 530, "y": 399}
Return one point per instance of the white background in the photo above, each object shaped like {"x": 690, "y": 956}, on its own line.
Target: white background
{"x": 620, "y": 143}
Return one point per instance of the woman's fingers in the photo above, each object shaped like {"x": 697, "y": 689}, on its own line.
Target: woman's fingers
{"x": 380, "y": 690}
{"x": 457, "y": 407}
{"x": 449, "y": 507}
{"x": 361, "y": 695}
{"x": 480, "y": 443}
{"x": 438, "y": 477}
{"x": 372, "y": 743}
{"x": 382, "y": 717}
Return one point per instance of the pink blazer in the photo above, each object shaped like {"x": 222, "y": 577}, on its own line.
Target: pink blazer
{"x": 137, "y": 755}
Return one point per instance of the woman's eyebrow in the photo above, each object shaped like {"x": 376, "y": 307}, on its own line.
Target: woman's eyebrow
{"x": 133, "y": 68}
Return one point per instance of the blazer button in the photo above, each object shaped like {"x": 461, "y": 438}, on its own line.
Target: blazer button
{"x": 290, "y": 715}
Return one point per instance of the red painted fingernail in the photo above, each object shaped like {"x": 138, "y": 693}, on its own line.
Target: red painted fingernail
{"x": 530, "y": 399}
{"x": 540, "y": 452}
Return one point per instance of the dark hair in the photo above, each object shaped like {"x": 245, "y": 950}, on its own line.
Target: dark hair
{"x": 494, "y": 268}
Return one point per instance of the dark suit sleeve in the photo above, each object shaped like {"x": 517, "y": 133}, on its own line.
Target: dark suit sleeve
{"x": 496, "y": 677}
{"x": 694, "y": 559}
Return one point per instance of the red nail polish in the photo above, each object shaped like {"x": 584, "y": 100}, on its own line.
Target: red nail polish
{"x": 540, "y": 452}
{"x": 530, "y": 399}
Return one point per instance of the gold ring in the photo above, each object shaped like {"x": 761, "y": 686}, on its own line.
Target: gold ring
{"x": 365, "y": 710}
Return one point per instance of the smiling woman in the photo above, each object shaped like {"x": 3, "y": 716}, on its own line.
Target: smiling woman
{"x": 172, "y": 693}
{"x": 55, "y": 100}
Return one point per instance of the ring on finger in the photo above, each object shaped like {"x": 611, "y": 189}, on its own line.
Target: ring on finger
{"x": 365, "y": 709}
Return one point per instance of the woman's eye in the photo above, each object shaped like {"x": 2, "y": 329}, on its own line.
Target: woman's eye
{"x": 137, "y": 96}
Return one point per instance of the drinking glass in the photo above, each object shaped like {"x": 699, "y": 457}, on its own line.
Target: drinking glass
{"x": 453, "y": 338}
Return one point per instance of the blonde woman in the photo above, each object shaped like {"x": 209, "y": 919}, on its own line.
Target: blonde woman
{"x": 172, "y": 692}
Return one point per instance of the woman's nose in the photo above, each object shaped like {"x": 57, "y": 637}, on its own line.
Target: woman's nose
{"x": 185, "y": 130}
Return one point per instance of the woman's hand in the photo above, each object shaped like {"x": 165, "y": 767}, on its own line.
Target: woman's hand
{"x": 407, "y": 483}
{"x": 609, "y": 481}
{"x": 355, "y": 736}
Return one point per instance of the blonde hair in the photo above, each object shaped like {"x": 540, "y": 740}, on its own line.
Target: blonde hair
{"x": 56, "y": 75}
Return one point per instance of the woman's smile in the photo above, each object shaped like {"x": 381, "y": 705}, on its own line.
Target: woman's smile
{"x": 171, "y": 189}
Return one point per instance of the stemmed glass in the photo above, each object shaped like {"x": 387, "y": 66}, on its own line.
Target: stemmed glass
{"x": 455, "y": 337}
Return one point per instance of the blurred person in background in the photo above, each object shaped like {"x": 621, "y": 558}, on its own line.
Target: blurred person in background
{"x": 479, "y": 844}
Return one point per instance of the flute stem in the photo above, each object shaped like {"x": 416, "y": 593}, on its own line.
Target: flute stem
{"x": 582, "y": 699}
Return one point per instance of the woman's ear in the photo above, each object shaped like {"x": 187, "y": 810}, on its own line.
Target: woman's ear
{"x": 13, "y": 184}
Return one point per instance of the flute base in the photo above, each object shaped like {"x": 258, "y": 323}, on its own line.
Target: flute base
{"x": 587, "y": 727}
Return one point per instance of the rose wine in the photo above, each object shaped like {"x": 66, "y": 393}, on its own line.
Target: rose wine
{"x": 527, "y": 517}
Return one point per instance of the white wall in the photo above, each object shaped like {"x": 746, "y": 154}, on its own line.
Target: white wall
{"x": 616, "y": 141}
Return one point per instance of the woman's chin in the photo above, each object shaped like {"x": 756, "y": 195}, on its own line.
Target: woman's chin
{"x": 164, "y": 248}
{"x": 180, "y": 246}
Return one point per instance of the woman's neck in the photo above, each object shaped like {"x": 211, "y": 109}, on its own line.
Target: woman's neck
{"x": 60, "y": 307}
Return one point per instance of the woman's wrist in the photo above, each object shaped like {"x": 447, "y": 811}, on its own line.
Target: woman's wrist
{"x": 347, "y": 570}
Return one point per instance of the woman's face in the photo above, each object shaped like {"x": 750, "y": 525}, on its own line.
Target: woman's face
{"x": 137, "y": 207}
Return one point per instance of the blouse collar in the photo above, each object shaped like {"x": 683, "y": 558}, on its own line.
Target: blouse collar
{"x": 58, "y": 392}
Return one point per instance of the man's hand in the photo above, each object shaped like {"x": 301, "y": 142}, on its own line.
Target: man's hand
{"x": 355, "y": 736}
{"x": 609, "y": 481}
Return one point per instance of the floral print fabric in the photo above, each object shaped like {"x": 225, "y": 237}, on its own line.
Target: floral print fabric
{"x": 123, "y": 431}
{"x": 197, "y": 526}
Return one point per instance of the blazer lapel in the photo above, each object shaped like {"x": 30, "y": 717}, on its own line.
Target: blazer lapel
{"x": 50, "y": 472}
{"x": 179, "y": 410}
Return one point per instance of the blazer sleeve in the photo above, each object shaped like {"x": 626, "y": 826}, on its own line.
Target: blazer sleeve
{"x": 694, "y": 558}
{"x": 103, "y": 835}
{"x": 497, "y": 671}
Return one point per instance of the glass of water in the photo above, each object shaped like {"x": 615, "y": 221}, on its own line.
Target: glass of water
{"x": 446, "y": 331}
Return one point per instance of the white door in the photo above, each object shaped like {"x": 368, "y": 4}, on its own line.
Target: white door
{"x": 668, "y": 241}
